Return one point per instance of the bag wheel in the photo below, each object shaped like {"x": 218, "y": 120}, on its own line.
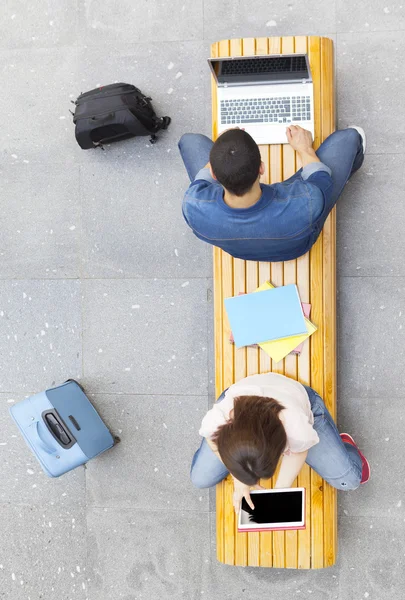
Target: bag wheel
{"x": 117, "y": 440}
{"x": 166, "y": 122}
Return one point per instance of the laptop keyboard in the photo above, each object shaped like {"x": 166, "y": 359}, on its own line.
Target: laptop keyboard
{"x": 264, "y": 65}
{"x": 287, "y": 109}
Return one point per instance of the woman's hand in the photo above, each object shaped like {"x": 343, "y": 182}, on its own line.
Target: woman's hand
{"x": 243, "y": 491}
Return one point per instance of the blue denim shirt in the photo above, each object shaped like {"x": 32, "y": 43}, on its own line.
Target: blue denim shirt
{"x": 282, "y": 225}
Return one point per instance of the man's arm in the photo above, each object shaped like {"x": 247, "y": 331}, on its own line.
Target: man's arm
{"x": 313, "y": 170}
{"x": 308, "y": 156}
{"x": 301, "y": 140}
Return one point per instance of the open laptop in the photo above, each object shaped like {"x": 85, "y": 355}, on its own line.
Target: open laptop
{"x": 264, "y": 94}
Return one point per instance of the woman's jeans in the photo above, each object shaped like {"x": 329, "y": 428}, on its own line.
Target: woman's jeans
{"x": 336, "y": 462}
{"x": 342, "y": 152}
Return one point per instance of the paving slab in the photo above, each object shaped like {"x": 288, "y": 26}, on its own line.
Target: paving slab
{"x": 41, "y": 222}
{"x": 371, "y": 558}
{"x": 42, "y": 24}
{"x": 162, "y": 554}
{"x": 377, "y": 425}
{"x": 367, "y": 218}
{"x": 371, "y": 16}
{"x": 143, "y": 21}
{"x": 145, "y": 336}
{"x": 237, "y": 18}
{"x": 371, "y": 336}
{"x": 43, "y": 554}
{"x": 150, "y": 468}
{"x": 370, "y": 81}
{"x": 34, "y": 113}
{"x": 136, "y": 227}
{"x": 40, "y": 332}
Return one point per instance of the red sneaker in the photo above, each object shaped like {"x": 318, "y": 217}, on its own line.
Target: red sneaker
{"x": 365, "y": 473}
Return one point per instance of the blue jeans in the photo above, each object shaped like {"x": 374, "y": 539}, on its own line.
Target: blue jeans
{"x": 336, "y": 462}
{"x": 342, "y": 152}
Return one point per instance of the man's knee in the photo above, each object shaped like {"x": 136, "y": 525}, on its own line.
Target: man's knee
{"x": 353, "y": 135}
{"x": 185, "y": 139}
{"x": 349, "y": 135}
{"x": 192, "y": 140}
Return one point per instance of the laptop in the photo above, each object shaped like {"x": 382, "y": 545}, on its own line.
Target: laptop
{"x": 264, "y": 95}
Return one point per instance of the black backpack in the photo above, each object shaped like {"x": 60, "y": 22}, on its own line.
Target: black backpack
{"x": 112, "y": 113}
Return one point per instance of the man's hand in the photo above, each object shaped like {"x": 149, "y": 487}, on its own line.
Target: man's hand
{"x": 299, "y": 139}
{"x": 243, "y": 491}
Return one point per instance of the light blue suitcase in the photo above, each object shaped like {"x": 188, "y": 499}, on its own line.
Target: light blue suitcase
{"x": 62, "y": 428}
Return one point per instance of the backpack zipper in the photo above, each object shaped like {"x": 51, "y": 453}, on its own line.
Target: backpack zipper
{"x": 106, "y": 112}
{"x": 83, "y": 97}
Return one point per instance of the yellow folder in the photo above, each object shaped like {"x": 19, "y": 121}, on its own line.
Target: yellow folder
{"x": 279, "y": 349}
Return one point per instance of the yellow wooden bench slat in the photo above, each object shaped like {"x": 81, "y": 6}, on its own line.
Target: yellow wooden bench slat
{"x": 315, "y": 275}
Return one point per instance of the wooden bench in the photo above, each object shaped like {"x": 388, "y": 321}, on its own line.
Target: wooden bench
{"x": 314, "y": 273}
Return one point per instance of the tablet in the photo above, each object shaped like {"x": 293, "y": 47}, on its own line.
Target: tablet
{"x": 274, "y": 510}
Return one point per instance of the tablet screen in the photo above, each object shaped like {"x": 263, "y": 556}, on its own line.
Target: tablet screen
{"x": 274, "y": 507}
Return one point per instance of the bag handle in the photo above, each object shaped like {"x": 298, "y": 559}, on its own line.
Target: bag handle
{"x": 41, "y": 443}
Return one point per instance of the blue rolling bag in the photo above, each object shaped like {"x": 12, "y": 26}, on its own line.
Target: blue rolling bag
{"x": 62, "y": 428}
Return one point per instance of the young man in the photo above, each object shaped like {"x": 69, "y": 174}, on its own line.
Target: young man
{"x": 227, "y": 206}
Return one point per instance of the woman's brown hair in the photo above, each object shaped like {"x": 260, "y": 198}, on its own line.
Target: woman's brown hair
{"x": 251, "y": 442}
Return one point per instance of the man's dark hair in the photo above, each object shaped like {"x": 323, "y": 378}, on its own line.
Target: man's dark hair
{"x": 235, "y": 161}
{"x": 250, "y": 444}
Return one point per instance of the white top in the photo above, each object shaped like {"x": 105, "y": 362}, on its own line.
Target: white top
{"x": 296, "y": 417}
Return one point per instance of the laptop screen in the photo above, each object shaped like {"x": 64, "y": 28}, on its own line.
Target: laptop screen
{"x": 260, "y": 69}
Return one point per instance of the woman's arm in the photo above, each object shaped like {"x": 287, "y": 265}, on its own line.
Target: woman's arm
{"x": 214, "y": 448}
{"x": 291, "y": 465}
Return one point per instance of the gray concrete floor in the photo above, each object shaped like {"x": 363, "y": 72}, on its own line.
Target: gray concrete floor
{"x": 101, "y": 280}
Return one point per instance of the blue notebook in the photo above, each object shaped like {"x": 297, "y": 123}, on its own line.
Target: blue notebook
{"x": 265, "y": 316}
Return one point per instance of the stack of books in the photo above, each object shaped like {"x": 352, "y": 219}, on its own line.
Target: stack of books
{"x": 272, "y": 318}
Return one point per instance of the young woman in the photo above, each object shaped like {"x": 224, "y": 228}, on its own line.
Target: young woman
{"x": 262, "y": 418}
